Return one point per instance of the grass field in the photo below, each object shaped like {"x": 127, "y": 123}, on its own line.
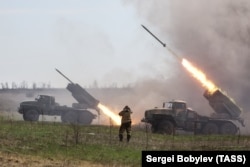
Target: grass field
{"x": 56, "y": 144}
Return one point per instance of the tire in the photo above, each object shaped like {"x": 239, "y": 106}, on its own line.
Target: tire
{"x": 228, "y": 128}
{"x": 154, "y": 129}
{"x": 69, "y": 117}
{"x": 63, "y": 117}
{"x": 210, "y": 128}
{"x": 85, "y": 117}
{"x": 166, "y": 127}
{"x": 31, "y": 115}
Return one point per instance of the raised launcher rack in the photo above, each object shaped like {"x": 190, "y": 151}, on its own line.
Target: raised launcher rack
{"x": 224, "y": 106}
{"x": 84, "y": 99}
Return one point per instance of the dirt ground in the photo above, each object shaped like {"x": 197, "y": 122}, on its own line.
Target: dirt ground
{"x": 17, "y": 160}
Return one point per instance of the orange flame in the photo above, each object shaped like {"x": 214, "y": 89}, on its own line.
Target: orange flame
{"x": 200, "y": 76}
{"x": 110, "y": 114}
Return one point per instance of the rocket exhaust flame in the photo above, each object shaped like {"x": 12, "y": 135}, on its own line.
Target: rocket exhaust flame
{"x": 83, "y": 97}
{"x": 218, "y": 100}
{"x": 199, "y": 75}
{"x": 109, "y": 113}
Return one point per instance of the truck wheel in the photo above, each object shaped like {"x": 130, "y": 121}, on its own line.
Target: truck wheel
{"x": 63, "y": 118}
{"x": 85, "y": 117}
{"x": 210, "y": 128}
{"x": 154, "y": 129}
{"x": 228, "y": 128}
{"x": 166, "y": 127}
{"x": 31, "y": 115}
{"x": 69, "y": 117}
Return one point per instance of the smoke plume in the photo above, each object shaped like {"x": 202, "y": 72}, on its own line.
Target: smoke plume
{"x": 214, "y": 35}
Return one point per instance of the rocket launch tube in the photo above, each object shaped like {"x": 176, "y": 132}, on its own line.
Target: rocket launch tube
{"x": 64, "y": 75}
{"x": 80, "y": 94}
{"x": 219, "y": 101}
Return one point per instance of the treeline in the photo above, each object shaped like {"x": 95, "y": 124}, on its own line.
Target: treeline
{"x": 43, "y": 85}
{"x": 24, "y": 85}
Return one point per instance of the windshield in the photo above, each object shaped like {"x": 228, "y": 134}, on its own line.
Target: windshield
{"x": 41, "y": 98}
{"x": 174, "y": 105}
{"x": 168, "y": 105}
{"x": 37, "y": 98}
{"x": 180, "y": 106}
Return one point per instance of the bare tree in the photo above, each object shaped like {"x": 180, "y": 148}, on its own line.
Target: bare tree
{"x": 34, "y": 86}
{"x": 23, "y": 85}
{"x": 14, "y": 85}
{"x": 6, "y": 85}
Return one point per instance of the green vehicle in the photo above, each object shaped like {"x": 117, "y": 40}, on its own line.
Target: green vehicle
{"x": 176, "y": 115}
{"x": 46, "y": 105}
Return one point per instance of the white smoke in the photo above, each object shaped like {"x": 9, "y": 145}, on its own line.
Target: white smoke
{"x": 214, "y": 35}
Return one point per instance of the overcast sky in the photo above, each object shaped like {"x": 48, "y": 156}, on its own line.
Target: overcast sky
{"x": 87, "y": 40}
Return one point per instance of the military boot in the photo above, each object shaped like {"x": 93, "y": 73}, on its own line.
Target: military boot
{"x": 128, "y": 137}
{"x": 120, "y": 137}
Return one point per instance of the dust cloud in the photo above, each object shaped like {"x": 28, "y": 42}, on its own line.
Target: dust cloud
{"x": 214, "y": 35}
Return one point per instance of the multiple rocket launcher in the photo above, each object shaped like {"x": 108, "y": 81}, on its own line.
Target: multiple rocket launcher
{"x": 222, "y": 104}
{"x": 84, "y": 99}
{"x": 218, "y": 100}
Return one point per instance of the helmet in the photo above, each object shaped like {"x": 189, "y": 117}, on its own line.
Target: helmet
{"x": 126, "y": 108}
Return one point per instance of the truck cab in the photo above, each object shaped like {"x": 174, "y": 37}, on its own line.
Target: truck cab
{"x": 45, "y": 99}
{"x": 43, "y": 105}
{"x": 176, "y": 115}
{"x": 179, "y": 110}
{"x": 46, "y": 105}
{"x": 184, "y": 117}
{"x": 179, "y": 107}
{"x": 173, "y": 114}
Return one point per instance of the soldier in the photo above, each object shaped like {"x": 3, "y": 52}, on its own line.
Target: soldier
{"x": 125, "y": 123}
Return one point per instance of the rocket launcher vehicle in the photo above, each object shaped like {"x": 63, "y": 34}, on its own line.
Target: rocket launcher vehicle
{"x": 223, "y": 105}
{"x": 84, "y": 99}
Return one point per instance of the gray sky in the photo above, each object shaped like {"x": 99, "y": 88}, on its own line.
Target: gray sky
{"x": 103, "y": 41}
{"x": 87, "y": 40}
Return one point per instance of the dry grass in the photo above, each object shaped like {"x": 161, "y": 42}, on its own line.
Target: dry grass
{"x": 16, "y": 160}
{"x": 56, "y": 144}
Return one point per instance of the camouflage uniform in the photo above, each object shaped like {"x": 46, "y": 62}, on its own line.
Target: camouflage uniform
{"x": 125, "y": 123}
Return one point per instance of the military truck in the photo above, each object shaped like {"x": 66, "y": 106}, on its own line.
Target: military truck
{"x": 176, "y": 115}
{"x": 46, "y": 105}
